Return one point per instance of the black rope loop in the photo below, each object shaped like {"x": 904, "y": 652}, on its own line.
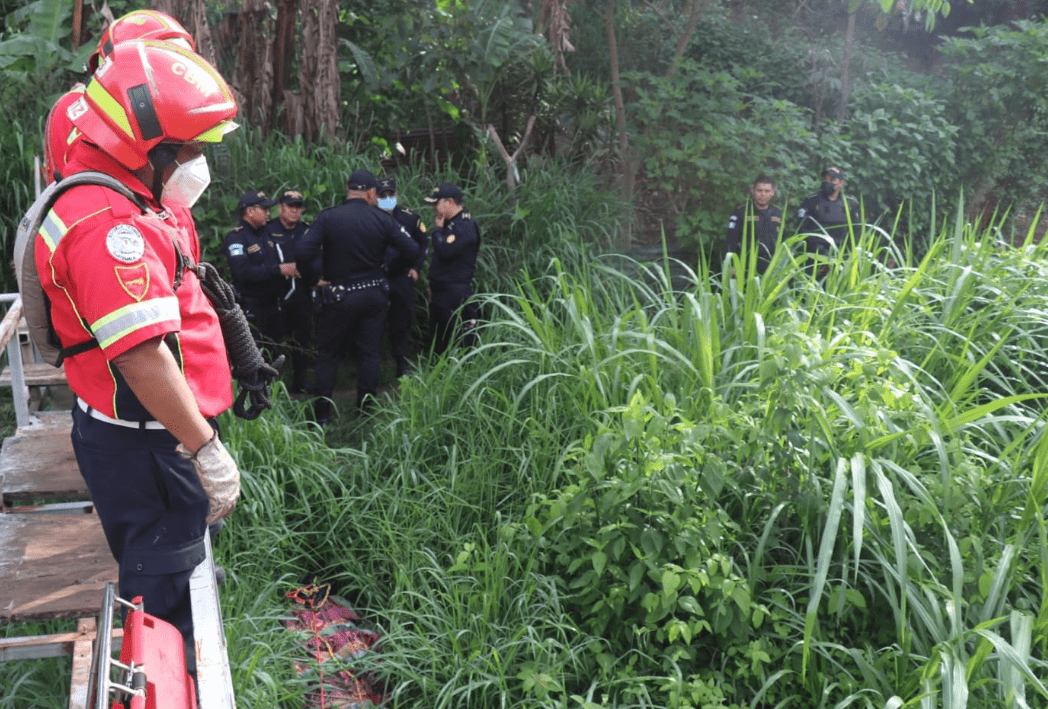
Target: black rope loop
{"x": 250, "y": 370}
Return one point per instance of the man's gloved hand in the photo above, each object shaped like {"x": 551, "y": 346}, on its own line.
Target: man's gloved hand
{"x": 218, "y": 474}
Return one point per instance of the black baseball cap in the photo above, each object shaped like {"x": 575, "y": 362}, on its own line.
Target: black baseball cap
{"x": 445, "y": 191}
{"x": 252, "y": 199}
{"x": 292, "y": 197}
{"x": 834, "y": 172}
{"x": 387, "y": 184}
{"x": 362, "y": 180}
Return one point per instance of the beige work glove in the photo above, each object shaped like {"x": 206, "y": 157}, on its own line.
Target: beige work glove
{"x": 218, "y": 475}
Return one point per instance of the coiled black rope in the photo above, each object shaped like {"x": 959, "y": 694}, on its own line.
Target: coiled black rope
{"x": 252, "y": 372}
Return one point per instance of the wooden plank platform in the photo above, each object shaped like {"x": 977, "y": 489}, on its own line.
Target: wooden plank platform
{"x": 52, "y": 566}
{"x": 36, "y": 374}
{"x": 37, "y": 463}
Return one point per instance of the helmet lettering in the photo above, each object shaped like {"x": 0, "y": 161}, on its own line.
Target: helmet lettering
{"x": 194, "y": 77}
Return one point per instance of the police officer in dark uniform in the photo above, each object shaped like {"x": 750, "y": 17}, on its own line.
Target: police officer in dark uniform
{"x": 296, "y": 306}
{"x": 757, "y": 224}
{"x": 345, "y": 249}
{"x": 402, "y": 279}
{"x": 825, "y": 216}
{"x": 455, "y": 243}
{"x": 258, "y": 275}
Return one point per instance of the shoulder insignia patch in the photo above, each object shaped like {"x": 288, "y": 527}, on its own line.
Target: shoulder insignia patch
{"x": 466, "y": 215}
{"x": 450, "y": 239}
{"x": 125, "y": 243}
{"x": 777, "y": 220}
{"x": 133, "y": 279}
{"x": 236, "y": 249}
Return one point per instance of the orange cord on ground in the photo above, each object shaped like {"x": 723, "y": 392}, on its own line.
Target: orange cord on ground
{"x": 334, "y": 635}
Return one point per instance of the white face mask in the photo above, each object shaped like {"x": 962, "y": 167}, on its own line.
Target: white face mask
{"x": 186, "y": 184}
{"x": 387, "y": 203}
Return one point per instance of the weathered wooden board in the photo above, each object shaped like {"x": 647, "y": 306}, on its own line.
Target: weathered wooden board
{"x": 37, "y": 463}
{"x": 52, "y": 566}
{"x": 36, "y": 374}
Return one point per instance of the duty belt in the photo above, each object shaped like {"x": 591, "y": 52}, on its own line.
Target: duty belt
{"x": 357, "y": 285}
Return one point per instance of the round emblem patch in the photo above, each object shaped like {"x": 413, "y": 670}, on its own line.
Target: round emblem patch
{"x": 125, "y": 243}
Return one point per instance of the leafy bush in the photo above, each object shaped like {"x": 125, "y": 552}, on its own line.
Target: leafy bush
{"x": 899, "y": 146}
{"x": 702, "y": 141}
{"x": 994, "y": 85}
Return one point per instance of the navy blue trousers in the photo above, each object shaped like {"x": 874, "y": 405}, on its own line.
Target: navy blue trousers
{"x": 358, "y": 321}
{"x": 298, "y": 330}
{"x": 152, "y": 508}
{"x": 444, "y": 318}
{"x": 401, "y": 318}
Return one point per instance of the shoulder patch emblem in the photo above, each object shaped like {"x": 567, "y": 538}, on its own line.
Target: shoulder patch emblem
{"x": 77, "y": 109}
{"x": 133, "y": 279}
{"x": 236, "y": 249}
{"x": 466, "y": 215}
{"x": 450, "y": 239}
{"x": 125, "y": 243}
{"x": 421, "y": 226}
{"x": 254, "y": 248}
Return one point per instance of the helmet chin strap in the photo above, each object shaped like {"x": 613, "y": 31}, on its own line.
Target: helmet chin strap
{"x": 161, "y": 157}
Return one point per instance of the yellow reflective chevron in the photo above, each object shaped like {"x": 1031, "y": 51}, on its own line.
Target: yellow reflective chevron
{"x": 52, "y": 229}
{"x": 135, "y": 316}
{"x": 109, "y": 105}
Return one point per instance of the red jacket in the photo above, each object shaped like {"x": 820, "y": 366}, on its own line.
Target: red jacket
{"x": 109, "y": 272}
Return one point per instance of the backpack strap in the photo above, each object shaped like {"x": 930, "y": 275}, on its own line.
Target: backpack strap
{"x": 30, "y": 226}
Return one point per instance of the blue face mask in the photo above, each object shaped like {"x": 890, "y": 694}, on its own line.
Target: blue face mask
{"x": 387, "y": 203}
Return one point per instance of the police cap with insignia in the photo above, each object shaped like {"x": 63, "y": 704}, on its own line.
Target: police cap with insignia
{"x": 253, "y": 199}
{"x": 834, "y": 173}
{"x": 387, "y": 184}
{"x": 445, "y": 191}
{"x": 292, "y": 198}
{"x": 362, "y": 181}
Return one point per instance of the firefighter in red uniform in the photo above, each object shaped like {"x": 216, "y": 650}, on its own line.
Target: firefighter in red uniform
{"x": 144, "y": 350}
{"x": 59, "y": 132}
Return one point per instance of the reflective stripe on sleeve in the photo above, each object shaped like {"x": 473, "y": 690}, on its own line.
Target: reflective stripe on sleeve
{"x": 135, "y": 316}
{"x": 52, "y": 229}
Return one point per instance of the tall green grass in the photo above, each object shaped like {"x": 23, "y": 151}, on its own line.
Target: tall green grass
{"x": 765, "y": 491}
{"x": 773, "y": 491}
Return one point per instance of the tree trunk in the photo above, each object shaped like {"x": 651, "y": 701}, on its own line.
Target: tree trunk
{"x": 192, "y": 16}
{"x": 628, "y": 170}
{"x": 697, "y": 6}
{"x": 512, "y": 174}
{"x": 849, "y": 40}
{"x": 318, "y": 69}
{"x": 253, "y": 76}
{"x": 78, "y": 23}
{"x": 283, "y": 41}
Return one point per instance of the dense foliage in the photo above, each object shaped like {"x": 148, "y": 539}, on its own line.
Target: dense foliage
{"x": 757, "y": 89}
{"x": 642, "y": 491}
{"x": 655, "y": 484}
{"x": 756, "y": 493}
